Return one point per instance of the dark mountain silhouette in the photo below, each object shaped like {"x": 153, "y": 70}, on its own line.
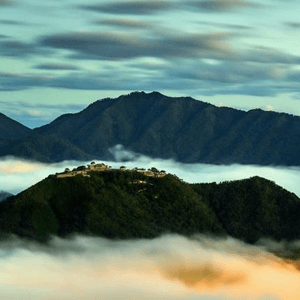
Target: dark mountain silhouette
{"x": 10, "y": 132}
{"x": 10, "y": 129}
{"x": 4, "y": 195}
{"x": 126, "y": 204}
{"x": 45, "y": 148}
{"x": 182, "y": 128}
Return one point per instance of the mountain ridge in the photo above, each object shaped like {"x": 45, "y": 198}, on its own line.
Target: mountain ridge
{"x": 11, "y": 129}
{"x": 182, "y": 128}
{"x": 129, "y": 204}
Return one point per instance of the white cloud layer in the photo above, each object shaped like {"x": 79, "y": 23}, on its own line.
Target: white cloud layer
{"x": 168, "y": 267}
{"x": 17, "y": 175}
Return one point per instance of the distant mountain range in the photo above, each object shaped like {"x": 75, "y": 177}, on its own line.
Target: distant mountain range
{"x": 127, "y": 204}
{"x": 4, "y": 195}
{"x": 155, "y": 125}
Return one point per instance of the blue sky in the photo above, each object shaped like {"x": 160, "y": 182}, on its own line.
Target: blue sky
{"x": 59, "y": 56}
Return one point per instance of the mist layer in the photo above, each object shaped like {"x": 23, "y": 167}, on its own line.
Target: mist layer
{"x": 168, "y": 267}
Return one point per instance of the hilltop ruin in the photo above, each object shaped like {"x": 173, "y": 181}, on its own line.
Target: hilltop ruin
{"x": 84, "y": 171}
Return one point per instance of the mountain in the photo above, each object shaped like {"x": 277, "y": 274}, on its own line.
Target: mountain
{"x": 4, "y": 195}
{"x": 10, "y": 129}
{"x": 181, "y": 128}
{"x": 10, "y": 132}
{"x": 252, "y": 208}
{"x": 46, "y": 148}
{"x": 126, "y": 204}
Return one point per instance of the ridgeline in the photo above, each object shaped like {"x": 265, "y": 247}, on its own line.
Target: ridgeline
{"x": 129, "y": 204}
{"x": 155, "y": 125}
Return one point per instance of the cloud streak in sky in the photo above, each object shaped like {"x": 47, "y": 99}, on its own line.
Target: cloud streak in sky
{"x": 124, "y": 23}
{"x": 223, "y": 5}
{"x": 130, "y": 7}
{"x": 124, "y": 46}
{"x": 5, "y": 2}
{"x": 103, "y": 46}
{"x": 17, "y": 48}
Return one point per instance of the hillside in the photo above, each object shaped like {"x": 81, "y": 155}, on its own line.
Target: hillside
{"x": 253, "y": 208}
{"x": 45, "y": 148}
{"x": 126, "y": 204}
{"x": 113, "y": 203}
{"x": 11, "y": 129}
{"x": 153, "y": 124}
{"x": 4, "y": 195}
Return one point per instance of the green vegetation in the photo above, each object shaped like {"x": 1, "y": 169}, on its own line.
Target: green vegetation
{"x": 127, "y": 204}
{"x": 253, "y": 208}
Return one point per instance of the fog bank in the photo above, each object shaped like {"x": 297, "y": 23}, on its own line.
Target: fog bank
{"x": 168, "y": 267}
{"x": 17, "y": 175}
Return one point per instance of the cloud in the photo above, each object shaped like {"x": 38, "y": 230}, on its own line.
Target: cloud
{"x": 63, "y": 107}
{"x": 17, "y": 49}
{"x": 168, "y": 267}
{"x": 225, "y": 25}
{"x": 268, "y": 55}
{"x": 293, "y": 25}
{"x": 15, "y": 180}
{"x": 6, "y": 2}
{"x": 221, "y": 77}
{"x": 19, "y": 166}
{"x": 127, "y": 23}
{"x": 105, "y": 80}
{"x": 56, "y": 66}
{"x": 269, "y": 107}
{"x": 120, "y": 154}
{"x": 260, "y": 90}
{"x": 130, "y": 7}
{"x": 222, "y": 5}
{"x": 294, "y": 76}
{"x": 253, "y": 71}
{"x": 12, "y": 22}
{"x": 182, "y": 53}
{"x": 17, "y": 174}
{"x": 111, "y": 46}
{"x": 18, "y": 81}
{"x": 193, "y": 173}
{"x": 223, "y": 72}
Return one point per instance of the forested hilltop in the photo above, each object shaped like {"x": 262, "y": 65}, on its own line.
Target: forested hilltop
{"x": 155, "y": 125}
{"x": 127, "y": 204}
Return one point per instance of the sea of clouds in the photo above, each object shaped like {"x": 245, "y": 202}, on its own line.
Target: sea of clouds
{"x": 17, "y": 175}
{"x": 167, "y": 267}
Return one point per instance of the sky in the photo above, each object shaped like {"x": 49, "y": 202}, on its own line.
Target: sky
{"x": 59, "y": 56}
